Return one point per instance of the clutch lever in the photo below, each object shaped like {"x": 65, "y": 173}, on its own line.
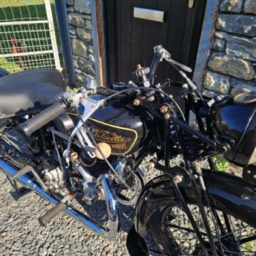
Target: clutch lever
{"x": 178, "y": 66}
{"x": 176, "y": 63}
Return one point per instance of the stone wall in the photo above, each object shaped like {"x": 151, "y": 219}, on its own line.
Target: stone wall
{"x": 80, "y": 29}
{"x": 232, "y": 62}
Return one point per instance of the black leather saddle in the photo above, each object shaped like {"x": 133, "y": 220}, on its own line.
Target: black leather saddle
{"x": 24, "y": 90}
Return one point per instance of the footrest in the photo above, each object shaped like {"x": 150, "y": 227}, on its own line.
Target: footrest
{"x": 51, "y": 214}
{"x": 55, "y": 210}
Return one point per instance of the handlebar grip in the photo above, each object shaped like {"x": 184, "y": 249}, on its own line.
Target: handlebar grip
{"x": 43, "y": 118}
{"x": 44, "y": 220}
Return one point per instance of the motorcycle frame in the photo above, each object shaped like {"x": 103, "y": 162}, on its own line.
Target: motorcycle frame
{"x": 190, "y": 162}
{"x": 191, "y": 170}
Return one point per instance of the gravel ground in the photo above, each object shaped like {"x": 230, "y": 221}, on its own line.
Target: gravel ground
{"x": 21, "y": 234}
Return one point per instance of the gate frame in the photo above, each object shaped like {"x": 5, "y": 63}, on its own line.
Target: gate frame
{"x": 50, "y": 23}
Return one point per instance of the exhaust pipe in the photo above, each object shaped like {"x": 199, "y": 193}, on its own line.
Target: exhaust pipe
{"x": 25, "y": 180}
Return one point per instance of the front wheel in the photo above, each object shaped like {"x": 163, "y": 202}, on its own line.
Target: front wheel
{"x": 169, "y": 227}
{"x": 174, "y": 234}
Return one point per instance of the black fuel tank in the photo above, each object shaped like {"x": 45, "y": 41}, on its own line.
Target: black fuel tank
{"x": 237, "y": 121}
{"x": 119, "y": 126}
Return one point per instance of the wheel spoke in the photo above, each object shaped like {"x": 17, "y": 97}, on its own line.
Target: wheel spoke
{"x": 229, "y": 233}
{"x": 248, "y": 239}
{"x": 175, "y": 234}
{"x": 185, "y": 229}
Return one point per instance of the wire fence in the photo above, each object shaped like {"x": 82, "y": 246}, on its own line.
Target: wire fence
{"x": 27, "y": 35}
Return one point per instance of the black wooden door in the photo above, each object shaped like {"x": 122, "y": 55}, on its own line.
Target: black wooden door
{"x": 130, "y": 40}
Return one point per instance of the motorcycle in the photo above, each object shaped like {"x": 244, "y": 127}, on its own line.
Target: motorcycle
{"x": 88, "y": 145}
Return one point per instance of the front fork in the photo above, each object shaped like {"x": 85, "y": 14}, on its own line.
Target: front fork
{"x": 187, "y": 148}
{"x": 176, "y": 180}
{"x": 216, "y": 247}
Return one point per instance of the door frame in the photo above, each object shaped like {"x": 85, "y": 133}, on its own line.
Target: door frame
{"x": 104, "y": 44}
{"x": 207, "y": 34}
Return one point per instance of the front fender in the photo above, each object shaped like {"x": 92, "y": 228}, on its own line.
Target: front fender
{"x": 227, "y": 193}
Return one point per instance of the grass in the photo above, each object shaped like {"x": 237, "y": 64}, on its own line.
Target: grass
{"x": 9, "y": 66}
{"x": 249, "y": 246}
{"x": 6, "y": 3}
{"x": 36, "y": 37}
{"x": 221, "y": 163}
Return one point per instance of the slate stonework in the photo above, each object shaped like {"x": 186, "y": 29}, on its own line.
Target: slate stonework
{"x": 82, "y": 6}
{"x": 231, "y": 6}
{"x": 237, "y": 24}
{"x": 241, "y": 47}
{"x": 70, "y": 2}
{"x": 84, "y": 35}
{"x": 232, "y": 61}
{"x": 79, "y": 48}
{"x": 232, "y": 66}
{"x": 217, "y": 82}
{"x": 80, "y": 30}
{"x": 250, "y": 6}
{"x": 76, "y": 19}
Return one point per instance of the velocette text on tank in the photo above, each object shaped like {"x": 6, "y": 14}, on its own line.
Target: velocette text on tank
{"x": 111, "y": 137}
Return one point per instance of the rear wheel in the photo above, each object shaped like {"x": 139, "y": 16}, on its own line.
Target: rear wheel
{"x": 174, "y": 235}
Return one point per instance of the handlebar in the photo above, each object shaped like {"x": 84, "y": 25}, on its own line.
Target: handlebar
{"x": 162, "y": 54}
{"x": 159, "y": 54}
{"x": 43, "y": 118}
{"x": 146, "y": 74}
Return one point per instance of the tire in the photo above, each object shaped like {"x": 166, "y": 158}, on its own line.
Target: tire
{"x": 172, "y": 233}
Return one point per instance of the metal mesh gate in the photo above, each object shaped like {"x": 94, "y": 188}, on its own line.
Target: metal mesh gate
{"x": 27, "y": 35}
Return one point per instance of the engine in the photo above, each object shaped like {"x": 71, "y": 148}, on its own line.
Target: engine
{"x": 119, "y": 132}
